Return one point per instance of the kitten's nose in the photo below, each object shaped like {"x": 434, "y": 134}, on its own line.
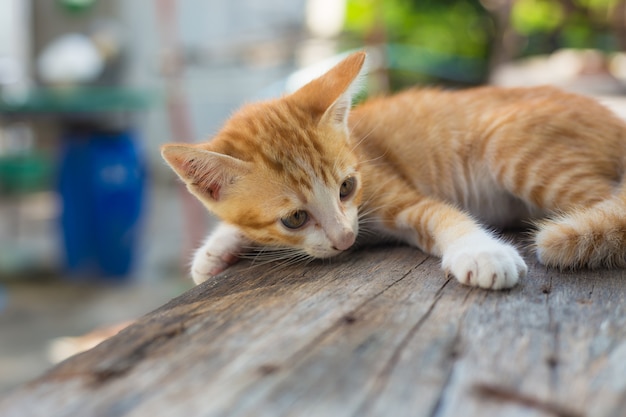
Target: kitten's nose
{"x": 345, "y": 241}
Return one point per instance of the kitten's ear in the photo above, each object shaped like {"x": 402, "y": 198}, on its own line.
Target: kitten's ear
{"x": 211, "y": 172}
{"x": 329, "y": 97}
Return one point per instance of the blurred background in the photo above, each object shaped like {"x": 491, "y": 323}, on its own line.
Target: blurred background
{"x": 95, "y": 231}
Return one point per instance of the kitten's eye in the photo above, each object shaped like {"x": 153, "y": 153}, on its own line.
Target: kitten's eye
{"x": 295, "y": 220}
{"x": 347, "y": 187}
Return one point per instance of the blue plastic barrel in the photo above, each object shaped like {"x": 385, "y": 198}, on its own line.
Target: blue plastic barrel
{"x": 101, "y": 184}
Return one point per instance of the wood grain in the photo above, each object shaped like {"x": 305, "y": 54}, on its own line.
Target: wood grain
{"x": 379, "y": 333}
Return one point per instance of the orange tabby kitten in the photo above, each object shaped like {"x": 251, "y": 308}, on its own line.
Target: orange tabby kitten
{"x": 426, "y": 166}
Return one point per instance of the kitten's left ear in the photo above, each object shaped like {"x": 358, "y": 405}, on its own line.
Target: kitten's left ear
{"x": 329, "y": 97}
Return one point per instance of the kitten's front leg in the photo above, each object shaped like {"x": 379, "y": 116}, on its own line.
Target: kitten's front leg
{"x": 221, "y": 249}
{"x": 469, "y": 253}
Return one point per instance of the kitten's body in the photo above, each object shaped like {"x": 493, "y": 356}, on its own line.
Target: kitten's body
{"x": 504, "y": 155}
{"x": 426, "y": 166}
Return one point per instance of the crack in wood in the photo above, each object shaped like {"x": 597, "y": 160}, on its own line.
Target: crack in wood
{"x": 381, "y": 292}
{"x": 552, "y": 360}
{"x": 588, "y": 300}
{"x": 453, "y": 355}
{"x": 268, "y": 369}
{"x": 348, "y": 318}
{"x": 470, "y": 291}
{"x": 382, "y": 379}
{"x": 497, "y": 393}
{"x": 120, "y": 366}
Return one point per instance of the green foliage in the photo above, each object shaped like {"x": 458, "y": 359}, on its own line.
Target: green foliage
{"x": 549, "y": 24}
{"x": 530, "y": 16}
{"x": 463, "y": 28}
{"x": 597, "y": 5}
{"x": 453, "y": 27}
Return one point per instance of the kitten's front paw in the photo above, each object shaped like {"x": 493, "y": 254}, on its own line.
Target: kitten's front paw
{"x": 221, "y": 249}
{"x": 206, "y": 265}
{"x": 484, "y": 263}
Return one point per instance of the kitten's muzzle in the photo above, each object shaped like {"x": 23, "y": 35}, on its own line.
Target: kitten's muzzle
{"x": 344, "y": 241}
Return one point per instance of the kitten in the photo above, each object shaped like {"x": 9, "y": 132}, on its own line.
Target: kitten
{"x": 426, "y": 166}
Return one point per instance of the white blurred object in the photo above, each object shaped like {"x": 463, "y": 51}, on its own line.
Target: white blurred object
{"x": 15, "y": 41}
{"x": 70, "y": 59}
{"x": 580, "y": 71}
{"x": 325, "y": 18}
{"x": 62, "y": 348}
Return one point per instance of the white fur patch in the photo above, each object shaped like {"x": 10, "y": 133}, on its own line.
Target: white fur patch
{"x": 221, "y": 249}
{"x": 489, "y": 202}
{"x": 332, "y": 223}
{"x": 481, "y": 260}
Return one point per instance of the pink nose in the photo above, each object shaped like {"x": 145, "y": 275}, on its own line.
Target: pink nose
{"x": 345, "y": 241}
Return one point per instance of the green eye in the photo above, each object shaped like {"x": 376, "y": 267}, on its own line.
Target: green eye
{"x": 347, "y": 187}
{"x": 295, "y": 220}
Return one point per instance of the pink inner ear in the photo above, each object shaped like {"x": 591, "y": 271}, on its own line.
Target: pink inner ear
{"x": 202, "y": 180}
{"x": 214, "y": 191}
{"x": 210, "y": 183}
{"x": 207, "y": 172}
{"x": 212, "y": 188}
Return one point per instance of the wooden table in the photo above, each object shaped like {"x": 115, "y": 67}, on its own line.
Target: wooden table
{"x": 379, "y": 333}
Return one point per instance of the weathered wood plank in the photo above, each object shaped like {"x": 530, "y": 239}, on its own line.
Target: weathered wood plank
{"x": 381, "y": 332}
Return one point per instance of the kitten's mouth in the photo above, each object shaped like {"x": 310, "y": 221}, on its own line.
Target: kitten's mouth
{"x": 326, "y": 253}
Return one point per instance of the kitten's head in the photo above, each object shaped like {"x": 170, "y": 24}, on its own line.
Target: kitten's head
{"x": 284, "y": 171}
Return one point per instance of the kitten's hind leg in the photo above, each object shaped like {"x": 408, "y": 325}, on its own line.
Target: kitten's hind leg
{"x": 221, "y": 249}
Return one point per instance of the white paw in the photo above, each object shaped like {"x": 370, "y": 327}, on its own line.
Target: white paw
{"x": 221, "y": 249}
{"x": 484, "y": 262}
{"x": 206, "y": 265}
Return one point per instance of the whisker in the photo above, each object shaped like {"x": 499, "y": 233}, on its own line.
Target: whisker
{"x": 280, "y": 255}
{"x": 299, "y": 259}
{"x": 364, "y": 136}
{"x": 368, "y": 161}
{"x": 268, "y": 256}
{"x": 365, "y": 209}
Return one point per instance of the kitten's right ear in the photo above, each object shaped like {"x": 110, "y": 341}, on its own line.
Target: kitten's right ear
{"x": 211, "y": 172}
{"x": 329, "y": 97}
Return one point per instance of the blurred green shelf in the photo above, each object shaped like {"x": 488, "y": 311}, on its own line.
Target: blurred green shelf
{"x": 77, "y": 100}
{"x": 25, "y": 173}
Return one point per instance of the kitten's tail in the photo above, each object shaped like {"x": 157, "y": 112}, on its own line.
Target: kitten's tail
{"x": 593, "y": 237}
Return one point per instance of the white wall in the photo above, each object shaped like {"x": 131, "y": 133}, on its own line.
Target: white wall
{"x": 232, "y": 48}
{"x": 15, "y": 40}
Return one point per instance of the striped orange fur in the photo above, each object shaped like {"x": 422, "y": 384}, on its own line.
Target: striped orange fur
{"x": 433, "y": 168}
